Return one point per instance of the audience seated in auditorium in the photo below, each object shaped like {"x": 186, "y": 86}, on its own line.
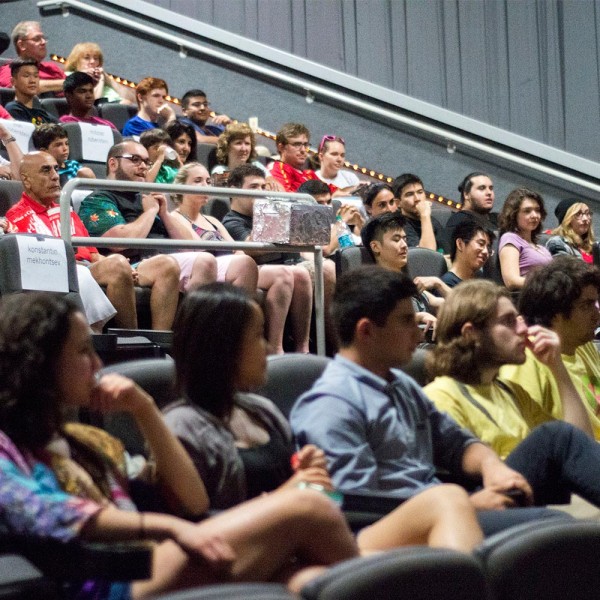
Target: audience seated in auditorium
{"x": 53, "y": 139}
{"x": 9, "y": 169}
{"x": 562, "y": 296}
{"x": 30, "y": 43}
{"x": 69, "y": 481}
{"x": 79, "y": 92}
{"x": 377, "y": 428}
{"x": 158, "y": 144}
{"x": 87, "y": 57}
{"x": 183, "y": 140}
{"x": 477, "y": 199}
{"x": 154, "y": 110}
{"x": 26, "y": 105}
{"x": 233, "y": 267}
{"x": 241, "y": 444}
{"x": 521, "y": 220}
{"x": 135, "y": 215}
{"x": 470, "y": 250}
{"x": 332, "y": 155}
{"x": 196, "y": 112}
{"x": 238, "y": 222}
{"x": 384, "y": 238}
{"x": 378, "y": 198}
{"x": 421, "y": 228}
{"x": 349, "y": 213}
{"x": 293, "y": 142}
{"x": 574, "y": 235}
{"x": 38, "y": 212}
{"x": 479, "y": 331}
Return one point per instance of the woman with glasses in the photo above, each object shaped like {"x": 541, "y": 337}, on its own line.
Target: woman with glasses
{"x": 332, "y": 155}
{"x": 88, "y": 57}
{"x": 574, "y": 235}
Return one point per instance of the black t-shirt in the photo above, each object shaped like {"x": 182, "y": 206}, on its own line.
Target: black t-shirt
{"x": 413, "y": 230}
{"x": 35, "y": 115}
{"x": 489, "y": 221}
{"x": 239, "y": 227}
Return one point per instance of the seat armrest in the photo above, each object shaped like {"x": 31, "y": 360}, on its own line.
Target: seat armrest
{"x": 379, "y": 503}
{"x": 78, "y": 560}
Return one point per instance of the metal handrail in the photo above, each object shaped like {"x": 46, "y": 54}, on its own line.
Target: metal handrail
{"x": 155, "y": 244}
{"x": 518, "y": 142}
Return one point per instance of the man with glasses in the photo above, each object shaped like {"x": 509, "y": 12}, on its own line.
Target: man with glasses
{"x": 196, "y": 110}
{"x": 480, "y": 331}
{"x": 30, "y": 42}
{"x": 38, "y": 212}
{"x": 292, "y": 144}
{"x": 563, "y": 296}
{"x": 130, "y": 214}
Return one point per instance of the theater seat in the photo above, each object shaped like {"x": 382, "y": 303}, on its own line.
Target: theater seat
{"x": 157, "y": 377}
{"x": 289, "y": 376}
{"x": 547, "y": 559}
{"x": 57, "y": 107}
{"x": 233, "y": 591}
{"x": 10, "y": 194}
{"x": 118, "y": 114}
{"x": 423, "y": 262}
{"x": 348, "y": 259}
{"x": 414, "y": 573}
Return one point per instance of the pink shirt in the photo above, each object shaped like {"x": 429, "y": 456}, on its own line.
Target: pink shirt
{"x": 47, "y": 70}
{"x": 93, "y": 120}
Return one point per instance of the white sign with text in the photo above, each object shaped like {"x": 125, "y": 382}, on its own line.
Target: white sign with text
{"x": 21, "y": 131}
{"x": 43, "y": 264}
{"x": 96, "y": 141}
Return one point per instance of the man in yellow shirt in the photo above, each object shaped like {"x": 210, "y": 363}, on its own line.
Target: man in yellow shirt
{"x": 479, "y": 331}
{"x": 563, "y": 296}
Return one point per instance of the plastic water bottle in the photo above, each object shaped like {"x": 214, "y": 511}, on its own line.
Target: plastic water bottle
{"x": 344, "y": 235}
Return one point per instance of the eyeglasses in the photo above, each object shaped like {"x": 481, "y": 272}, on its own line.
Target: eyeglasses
{"x": 299, "y": 145}
{"x": 583, "y": 213}
{"x": 37, "y": 39}
{"x": 330, "y": 138}
{"x": 136, "y": 159}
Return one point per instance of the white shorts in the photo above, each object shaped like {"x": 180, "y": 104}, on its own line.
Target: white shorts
{"x": 98, "y": 308}
{"x": 185, "y": 260}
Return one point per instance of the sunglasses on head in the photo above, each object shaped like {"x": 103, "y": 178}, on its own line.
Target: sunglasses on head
{"x": 330, "y": 138}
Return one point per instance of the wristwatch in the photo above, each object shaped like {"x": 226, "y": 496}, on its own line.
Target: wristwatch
{"x": 8, "y": 140}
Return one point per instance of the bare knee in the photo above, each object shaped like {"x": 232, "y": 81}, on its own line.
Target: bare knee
{"x": 302, "y": 281}
{"x": 161, "y": 268}
{"x": 447, "y": 497}
{"x": 118, "y": 270}
{"x": 204, "y": 269}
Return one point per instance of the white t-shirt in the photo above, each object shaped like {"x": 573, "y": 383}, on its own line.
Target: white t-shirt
{"x": 342, "y": 180}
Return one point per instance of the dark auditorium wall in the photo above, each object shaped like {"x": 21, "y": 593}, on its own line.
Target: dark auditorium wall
{"x": 374, "y": 144}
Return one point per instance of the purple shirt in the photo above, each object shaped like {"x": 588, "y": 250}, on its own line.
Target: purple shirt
{"x": 529, "y": 256}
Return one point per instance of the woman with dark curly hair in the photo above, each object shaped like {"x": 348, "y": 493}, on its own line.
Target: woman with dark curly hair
{"x": 520, "y": 223}
{"x": 68, "y": 480}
